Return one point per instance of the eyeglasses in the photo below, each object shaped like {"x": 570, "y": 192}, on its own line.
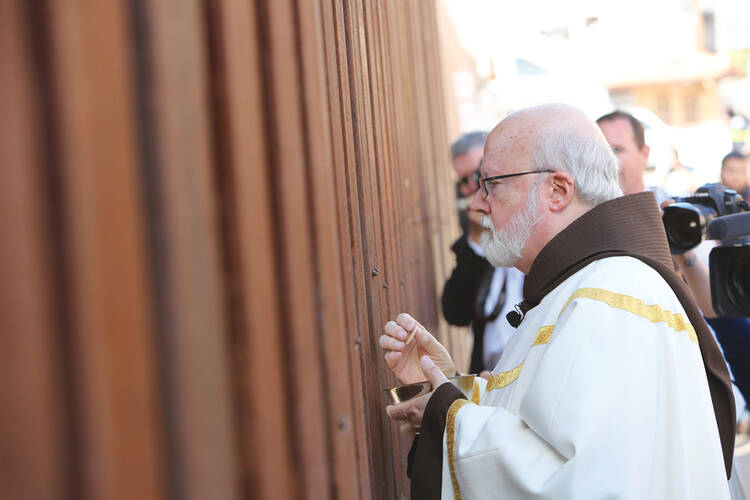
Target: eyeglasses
{"x": 484, "y": 180}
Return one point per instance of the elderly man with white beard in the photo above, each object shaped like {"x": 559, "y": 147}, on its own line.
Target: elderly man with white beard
{"x": 612, "y": 386}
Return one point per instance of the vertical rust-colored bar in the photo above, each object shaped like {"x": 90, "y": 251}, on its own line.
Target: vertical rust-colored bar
{"x": 406, "y": 160}
{"x": 261, "y": 404}
{"x": 393, "y": 164}
{"x": 413, "y": 152}
{"x": 296, "y": 248}
{"x": 105, "y": 244}
{"x": 191, "y": 301}
{"x": 429, "y": 166}
{"x": 331, "y": 323}
{"x": 399, "y": 168}
{"x": 383, "y": 201}
{"x": 389, "y": 163}
{"x": 380, "y": 454}
{"x": 401, "y": 234}
{"x": 409, "y": 157}
{"x": 32, "y": 446}
{"x": 385, "y": 198}
{"x": 378, "y": 171}
{"x": 347, "y": 197}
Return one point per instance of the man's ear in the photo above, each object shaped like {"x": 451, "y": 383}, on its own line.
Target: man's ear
{"x": 563, "y": 191}
{"x": 645, "y": 150}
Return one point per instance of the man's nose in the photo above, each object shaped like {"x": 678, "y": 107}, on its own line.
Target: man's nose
{"x": 479, "y": 202}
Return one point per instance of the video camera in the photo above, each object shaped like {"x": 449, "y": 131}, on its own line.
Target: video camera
{"x": 718, "y": 213}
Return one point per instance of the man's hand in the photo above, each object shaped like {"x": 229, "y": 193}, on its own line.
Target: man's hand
{"x": 403, "y": 359}
{"x": 410, "y": 413}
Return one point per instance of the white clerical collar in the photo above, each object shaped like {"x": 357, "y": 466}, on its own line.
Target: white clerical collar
{"x": 477, "y": 248}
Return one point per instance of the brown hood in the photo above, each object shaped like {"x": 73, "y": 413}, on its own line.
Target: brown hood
{"x": 631, "y": 225}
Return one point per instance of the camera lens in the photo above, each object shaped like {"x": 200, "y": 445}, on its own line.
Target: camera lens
{"x": 683, "y": 224}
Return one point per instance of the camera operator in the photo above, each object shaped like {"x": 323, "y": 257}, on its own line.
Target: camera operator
{"x": 476, "y": 292}
{"x": 734, "y": 173}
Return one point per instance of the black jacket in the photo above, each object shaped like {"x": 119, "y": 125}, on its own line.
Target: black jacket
{"x": 464, "y": 295}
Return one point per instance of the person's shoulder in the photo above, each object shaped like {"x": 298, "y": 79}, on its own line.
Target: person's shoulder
{"x": 625, "y": 276}
{"x": 620, "y": 271}
{"x": 460, "y": 244}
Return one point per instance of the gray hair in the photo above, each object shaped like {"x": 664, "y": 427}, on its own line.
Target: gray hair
{"x": 467, "y": 142}
{"x": 592, "y": 164}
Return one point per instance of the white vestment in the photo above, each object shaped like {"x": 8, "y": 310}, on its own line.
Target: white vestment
{"x": 601, "y": 393}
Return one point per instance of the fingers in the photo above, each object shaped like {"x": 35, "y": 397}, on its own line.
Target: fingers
{"x": 399, "y": 411}
{"x": 406, "y": 322}
{"x": 409, "y": 411}
{"x": 405, "y": 326}
{"x": 485, "y": 374}
{"x": 388, "y": 343}
{"x": 412, "y": 329}
{"x": 395, "y": 330}
{"x": 434, "y": 375}
{"x": 426, "y": 341}
{"x": 409, "y": 414}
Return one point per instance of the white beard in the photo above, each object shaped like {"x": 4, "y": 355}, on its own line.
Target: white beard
{"x": 503, "y": 248}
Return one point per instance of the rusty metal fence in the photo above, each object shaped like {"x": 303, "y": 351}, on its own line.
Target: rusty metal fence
{"x": 208, "y": 210}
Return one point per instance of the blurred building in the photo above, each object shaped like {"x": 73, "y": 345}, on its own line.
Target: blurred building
{"x": 680, "y": 65}
{"x": 677, "y": 72}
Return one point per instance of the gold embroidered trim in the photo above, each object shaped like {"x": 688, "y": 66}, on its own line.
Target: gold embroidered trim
{"x": 543, "y": 335}
{"x": 503, "y": 379}
{"x": 475, "y": 394}
{"x": 653, "y": 313}
{"x": 450, "y": 438}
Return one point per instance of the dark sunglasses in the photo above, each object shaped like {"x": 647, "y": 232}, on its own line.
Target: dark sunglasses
{"x": 475, "y": 176}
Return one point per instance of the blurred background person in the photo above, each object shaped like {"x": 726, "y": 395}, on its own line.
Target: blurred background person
{"x": 681, "y": 179}
{"x": 466, "y": 157}
{"x": 734, "y": 173}
{"x": 626, "y": 137}
{"x": 477, "y": 293}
